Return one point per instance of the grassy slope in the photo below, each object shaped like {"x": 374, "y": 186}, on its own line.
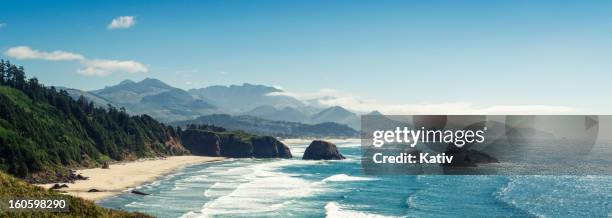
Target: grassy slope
{"x": 11, "y": 187}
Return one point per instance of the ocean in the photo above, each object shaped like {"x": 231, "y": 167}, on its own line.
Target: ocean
{"x": 299, "y": 188}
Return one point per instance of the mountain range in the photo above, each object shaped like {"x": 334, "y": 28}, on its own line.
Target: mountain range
{"x": 261, "y": 126}
{"x": 169, "y": 104}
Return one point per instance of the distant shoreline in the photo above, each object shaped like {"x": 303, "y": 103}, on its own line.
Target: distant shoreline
{"x": 122, "y": 176}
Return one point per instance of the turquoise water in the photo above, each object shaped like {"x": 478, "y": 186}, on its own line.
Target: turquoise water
{"x": 261, "y": 188}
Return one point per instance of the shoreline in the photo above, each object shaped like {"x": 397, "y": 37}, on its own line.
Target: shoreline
{"x": 126, "y": 175}
{"x": 122, "y": 176}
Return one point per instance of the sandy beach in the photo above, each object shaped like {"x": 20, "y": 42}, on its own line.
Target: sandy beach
{"x": 122, "y": 176}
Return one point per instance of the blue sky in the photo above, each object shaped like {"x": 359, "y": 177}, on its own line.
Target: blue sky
{"x": 424, "y": 55}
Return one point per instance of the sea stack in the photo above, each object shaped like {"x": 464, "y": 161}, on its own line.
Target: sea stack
{"x": 322, "y": 150}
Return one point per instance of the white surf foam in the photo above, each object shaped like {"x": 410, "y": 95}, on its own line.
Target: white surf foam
{"x": 333, "y": 209}
{"x": 264, "y": 190}
{"x": 346, "y": 178}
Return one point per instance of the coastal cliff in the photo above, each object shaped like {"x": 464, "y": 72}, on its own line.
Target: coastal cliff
{"x": 234, "y": 144}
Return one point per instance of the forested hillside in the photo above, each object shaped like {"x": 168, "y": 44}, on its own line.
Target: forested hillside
{"x": 43, "y": 131}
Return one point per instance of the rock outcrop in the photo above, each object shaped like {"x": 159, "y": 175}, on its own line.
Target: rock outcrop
{"x": 269, "y": 147}
{"x": 233, "y": 144}
{"x": 139, "y": 192}
{"x": 201, "y": 142}
{"x": 58, "y": 186}
{"x": 322, "y": 150}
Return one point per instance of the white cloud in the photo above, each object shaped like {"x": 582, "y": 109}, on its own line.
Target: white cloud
{"x": 91, "y": 67}
{"x": 223, "y": 73}
{"x": 2, "y": 25}
{"x": 105, "y": 67}
{"x": 122, "y": 22}
{"x": 25, "y": 52}
{"x": 332, "y": 97}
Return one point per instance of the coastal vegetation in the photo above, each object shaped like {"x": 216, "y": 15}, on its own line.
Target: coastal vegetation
{"x": 44, "y": 131}
{"x": 14, "y": 188}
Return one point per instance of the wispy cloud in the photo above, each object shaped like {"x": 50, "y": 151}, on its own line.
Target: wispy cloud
{"x": 331, "y": 97}
{"x": 2, "y": 25}
{"x": 91, "y": 67}
{"x": 25, "y": 52}
{"x": 122, "y": 22}
{"x": 106, "y": 67}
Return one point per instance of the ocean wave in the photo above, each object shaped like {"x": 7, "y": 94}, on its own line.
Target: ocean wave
{"x": 573, "y": 195}
{"x": 138, "y": 204}
{"x": 346, "y": 178}
{"x": 411, "y": 202}
{"x": 198, "y": 178}
{"x": 178, "y": 188}
{"x": 333, "y": 209}
{"x": 262, "y": 190}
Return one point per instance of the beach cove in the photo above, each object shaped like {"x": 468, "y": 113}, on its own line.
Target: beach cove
{"x": 121, "y": 177}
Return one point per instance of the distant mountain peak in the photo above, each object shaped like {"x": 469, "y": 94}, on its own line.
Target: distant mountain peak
{"x": 375, "y": 112}
{"x": 243, "y": 98}
{"x": 337, "y": 109}
{"x": 127, "y": 81}
{"x": 154, "y": 82}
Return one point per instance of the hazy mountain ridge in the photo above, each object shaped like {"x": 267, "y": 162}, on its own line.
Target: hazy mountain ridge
{"x": 169, "y": 104}
{"x": 258, "y": 125}
{"x": 339, "y": 115}
{"x": 156, "y": 98}
{"x": 242, "y": 98}
{"x": 334, "y": 114}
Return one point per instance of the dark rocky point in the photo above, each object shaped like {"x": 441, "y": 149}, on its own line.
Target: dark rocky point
{"x": 201, "y": 142}
{"x": 105, "y": 165}
{"x": 322, "y": 150}
{"x": 58, "y": 186}
{"x": 139, "y": 192}
{"x": 225, "y": 144}
{"x": 269, "y": 147}
{"x": 93, "y": 190}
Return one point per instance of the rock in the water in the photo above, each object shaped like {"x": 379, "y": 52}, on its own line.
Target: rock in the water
{"x": 93, "y": 190}
{"x": 201, "y": 142}
{"x": 322, "y": 150}
{"x": 139, "y": 192}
